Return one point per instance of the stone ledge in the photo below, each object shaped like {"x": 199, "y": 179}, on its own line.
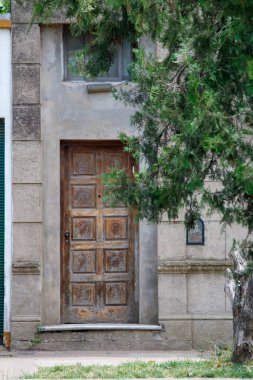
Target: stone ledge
{"x": 26, "y": 318}
{"x": 195, "y": 317}
{"x": 25, "y": 267}
{"x": 193, "y": 266}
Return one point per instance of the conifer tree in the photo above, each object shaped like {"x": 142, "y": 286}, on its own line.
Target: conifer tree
{"x": 193, "y": 116}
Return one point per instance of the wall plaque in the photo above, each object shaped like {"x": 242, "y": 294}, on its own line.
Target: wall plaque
{"x": 196, "y": 235}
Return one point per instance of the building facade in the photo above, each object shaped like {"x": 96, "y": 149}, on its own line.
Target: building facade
{"x": 84, "y": 275}
{"x": 5, "y": 175}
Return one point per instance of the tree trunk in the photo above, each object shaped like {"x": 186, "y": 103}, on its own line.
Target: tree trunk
{"x": 239, "y": 288}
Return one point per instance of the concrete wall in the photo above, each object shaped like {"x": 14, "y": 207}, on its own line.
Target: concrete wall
{"x": 26, "y": 175}
{"x": 42, "y": 117}
{"x": 191, "y": 282}
{"x": 69, "y": 112}
{"x": 192, "y": 303}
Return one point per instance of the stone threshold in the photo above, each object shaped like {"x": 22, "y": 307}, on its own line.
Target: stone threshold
{"x": 101, "y": 327}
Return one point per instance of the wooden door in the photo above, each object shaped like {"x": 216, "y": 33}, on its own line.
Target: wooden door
{"x": 97, "y": 241}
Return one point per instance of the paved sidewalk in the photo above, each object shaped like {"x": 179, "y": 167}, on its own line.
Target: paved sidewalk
{"x": 14, "y": 364}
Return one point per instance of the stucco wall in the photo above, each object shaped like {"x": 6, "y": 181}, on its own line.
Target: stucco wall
{"x": 191, "y": 281}
{"x": 69, "y": 112}
{"x": 192, "y": 303}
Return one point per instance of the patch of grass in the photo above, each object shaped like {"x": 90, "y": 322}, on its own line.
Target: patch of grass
{"x": 36, "y": 340}
{"x": 220, "y": 366}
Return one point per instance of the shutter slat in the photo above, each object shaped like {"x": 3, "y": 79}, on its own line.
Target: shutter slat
{"x": 2, "y": 143}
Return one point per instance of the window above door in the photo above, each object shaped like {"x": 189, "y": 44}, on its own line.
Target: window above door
{"x": 117, "y": 72}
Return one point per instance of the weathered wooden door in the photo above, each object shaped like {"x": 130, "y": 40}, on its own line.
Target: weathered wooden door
{"x": 97, "y": 240}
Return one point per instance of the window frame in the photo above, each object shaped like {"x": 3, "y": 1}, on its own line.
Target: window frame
{"x": 122, "y": 77}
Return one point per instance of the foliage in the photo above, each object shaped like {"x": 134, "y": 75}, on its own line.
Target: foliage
{"x": 4, "y": 6}
{"x": 219, "y": 367}
{"x": 193, "y": 108}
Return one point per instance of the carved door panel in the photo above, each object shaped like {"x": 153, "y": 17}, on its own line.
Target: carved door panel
{"x": 97, "y": 241}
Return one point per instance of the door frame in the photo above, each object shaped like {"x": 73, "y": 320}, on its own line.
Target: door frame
{"x": 63, "y": 190}
{"x": 147, "y": 275}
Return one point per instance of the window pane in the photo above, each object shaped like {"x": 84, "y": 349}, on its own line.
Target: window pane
{"x": 117, "y": 71}
{"x": 127, "y": 58}
{"x": 71, "y": 46}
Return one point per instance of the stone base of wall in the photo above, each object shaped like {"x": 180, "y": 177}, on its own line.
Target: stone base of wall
{"x": 177, "y": 335}
{"x": 95, "y": 341}
{"x": 198, "y": 334}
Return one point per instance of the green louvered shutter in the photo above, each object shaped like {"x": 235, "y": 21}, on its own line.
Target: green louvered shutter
{"x": 1, "y": 228}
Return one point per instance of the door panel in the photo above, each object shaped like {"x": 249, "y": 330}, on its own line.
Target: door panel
{"x": 97, "y": 240}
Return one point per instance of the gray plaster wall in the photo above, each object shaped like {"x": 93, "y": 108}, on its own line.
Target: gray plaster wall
{"x": 191, "y": 281}
{"x": 192, "y": 304}
{"x": 69, "y": 112}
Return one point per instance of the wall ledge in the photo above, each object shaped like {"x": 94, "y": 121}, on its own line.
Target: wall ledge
{"x": 193, "y": 266}
{"x": 26, "y": 318}
{"x": 26, "y": 267}
{"x": 196, "y": 317}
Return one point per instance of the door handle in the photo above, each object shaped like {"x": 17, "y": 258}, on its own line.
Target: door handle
{"x": 67, "y": 235}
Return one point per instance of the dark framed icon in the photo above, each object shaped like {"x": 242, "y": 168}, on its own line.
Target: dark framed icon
{"x": 196, "y": 234}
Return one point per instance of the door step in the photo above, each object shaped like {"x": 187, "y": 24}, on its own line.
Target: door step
{"x": 101, "y": 327}
{"x": 98, "y": 337}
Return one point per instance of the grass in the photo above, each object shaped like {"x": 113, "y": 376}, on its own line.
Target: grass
{"x": 219, "y": 366}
